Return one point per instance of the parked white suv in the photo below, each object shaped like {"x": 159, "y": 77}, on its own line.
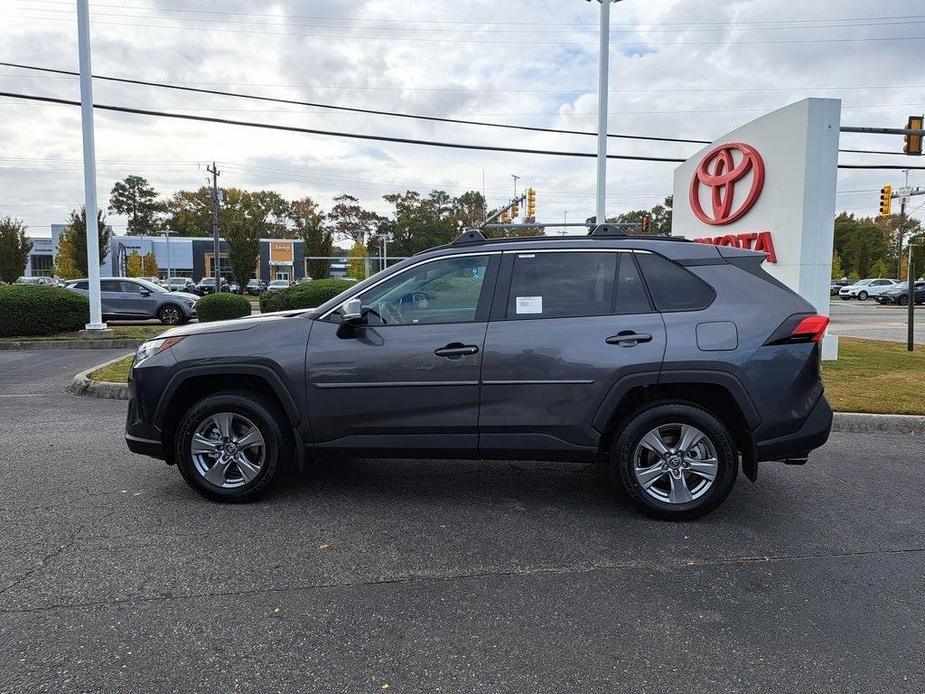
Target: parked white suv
{"x": 862, "y": 289}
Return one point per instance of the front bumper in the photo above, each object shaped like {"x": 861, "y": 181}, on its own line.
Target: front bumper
{"x": 813, "y": 434}
{"x": 149, "y": 447}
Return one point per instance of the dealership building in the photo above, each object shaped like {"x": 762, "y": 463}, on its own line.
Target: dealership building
{"x": 184, "y": 256}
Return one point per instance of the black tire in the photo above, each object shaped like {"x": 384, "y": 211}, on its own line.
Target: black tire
{"x": 171, "y": 314}
{"x": 623, "y": 460}
{"x": 903, "y": 300}
{"x": 265, "y": 415}
{"x": 862, "y": 296}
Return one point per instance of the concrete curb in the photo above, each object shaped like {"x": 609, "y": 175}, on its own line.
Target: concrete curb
{"x": 82, "y": 384}
{"x": 25, "y": 345}
{"x": 862, "y": 423}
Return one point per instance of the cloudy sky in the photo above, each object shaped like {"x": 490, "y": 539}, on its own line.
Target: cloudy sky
{"x": 682, "y": 68}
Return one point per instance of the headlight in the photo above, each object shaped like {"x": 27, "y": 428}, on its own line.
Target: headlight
{"x": 152, "y": 347}
{"x": 190, "y": 302}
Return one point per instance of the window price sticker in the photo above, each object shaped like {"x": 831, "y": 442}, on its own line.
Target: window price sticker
{"x": 529, "y": 304}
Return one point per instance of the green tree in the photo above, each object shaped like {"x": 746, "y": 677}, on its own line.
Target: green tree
{"x": 349, "y": 220}
{"x": 136, "y": 199}
{"x": 317, "y": 237}
{"x": 14, "y": 249}
{"x": 879, "y": 268}
{"x": 149, "y": 265}
{"x": 270, "y": 211}
{"x": 418, "y": 223}
{"x": 468, "y": 210}
{"x": 134, "y": 265}
{"x": 241, "y": 224}
{"x": 189, "y": 212}
{"x": 837, "y": 272}
{"x": 72, "y": 244}
{"x": 357, "y": 260}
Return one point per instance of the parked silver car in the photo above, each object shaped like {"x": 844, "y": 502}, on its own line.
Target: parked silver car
{"x": 862, "y": 289}
{"x": 132, "y": 297}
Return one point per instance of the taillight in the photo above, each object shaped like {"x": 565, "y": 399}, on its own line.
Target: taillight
{"x": 810, "y": 329}
{"x": 798, "y": 329}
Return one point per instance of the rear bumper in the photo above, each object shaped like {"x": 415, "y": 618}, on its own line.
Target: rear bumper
{"x": 813, "y": 434}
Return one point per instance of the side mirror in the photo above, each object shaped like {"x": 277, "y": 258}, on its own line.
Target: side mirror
{"x": 352, "y": 311}
{"x": 145, "y": 292}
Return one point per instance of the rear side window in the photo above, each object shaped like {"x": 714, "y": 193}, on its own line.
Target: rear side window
{"x": 562, "y": 285}
{"x": 672, "y": 287}
{"x": 110, "y": 286}
{"x": 80, "y": 285}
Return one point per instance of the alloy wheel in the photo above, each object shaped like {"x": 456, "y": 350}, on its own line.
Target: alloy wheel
{"x": 675, "y": 463}
{"x": 170, "y": 315}
{"x": 228, "y": 450}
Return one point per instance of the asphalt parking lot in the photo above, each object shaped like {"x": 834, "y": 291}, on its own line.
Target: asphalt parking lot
{"x": 870, "y": 320}
{"x": 442, "y": 576}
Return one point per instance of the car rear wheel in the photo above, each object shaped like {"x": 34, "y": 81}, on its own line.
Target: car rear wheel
{"x": 232, "y": 446}
{"x": 862, "y": 296}
{"x": 675, "y": 461}
{"x": 170, "y": 314}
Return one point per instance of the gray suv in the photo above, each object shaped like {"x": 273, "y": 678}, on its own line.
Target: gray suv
{"x": 132, "y": 297}
{"x": 673, "y": 364}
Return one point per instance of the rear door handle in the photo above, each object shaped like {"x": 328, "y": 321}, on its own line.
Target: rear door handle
{"x": 456, "y": 350}
{"x": 628, "y": 338}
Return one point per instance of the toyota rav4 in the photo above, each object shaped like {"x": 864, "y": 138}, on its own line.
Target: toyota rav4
{"x": 673, "y": 364}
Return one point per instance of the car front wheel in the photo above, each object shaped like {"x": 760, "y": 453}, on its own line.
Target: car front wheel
{"x": 862, "y": 296}
{"x": 903, "y": 300}
{"x": 232, "y": 446}
{"x": 170, "y": 314}
{"x": 675, "y": 461}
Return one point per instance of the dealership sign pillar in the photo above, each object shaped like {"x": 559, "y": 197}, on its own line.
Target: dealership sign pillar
{"x": 770, "y": 186}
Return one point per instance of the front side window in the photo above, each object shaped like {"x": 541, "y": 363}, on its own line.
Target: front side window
{"x": 441, "y": 291}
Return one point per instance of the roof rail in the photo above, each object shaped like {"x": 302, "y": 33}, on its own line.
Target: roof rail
{"x": 469, "y": 236}
{"x": 608, "y": 230}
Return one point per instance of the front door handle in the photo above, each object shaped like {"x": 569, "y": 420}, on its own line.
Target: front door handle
{"x": 456, "y": 350}
{"x": 628, "y": 338}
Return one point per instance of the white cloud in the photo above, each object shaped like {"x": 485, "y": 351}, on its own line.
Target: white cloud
{"x": 695, "y": 68}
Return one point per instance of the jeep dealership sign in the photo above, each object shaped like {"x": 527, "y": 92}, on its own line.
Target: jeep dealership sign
{"x": 770, "y": 186}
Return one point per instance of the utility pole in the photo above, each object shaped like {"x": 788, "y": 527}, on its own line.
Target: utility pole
{"x": 602, "y": 87}
{"x": 902, "y": 227}
{"x": 516, "y": 178}
{"x": 564, "y": 222}
{"x": 167, "y": 233}
{"x": 216, "y": 246}
{"x": 910, "y": 321}
{"x": 89, "y": 146}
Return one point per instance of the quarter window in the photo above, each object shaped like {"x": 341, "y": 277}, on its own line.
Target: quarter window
{"x": 672, "y": 287}
{"x": 441, "y": 291}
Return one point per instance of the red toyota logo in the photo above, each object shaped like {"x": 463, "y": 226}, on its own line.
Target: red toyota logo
{"x": 719, "y": 171}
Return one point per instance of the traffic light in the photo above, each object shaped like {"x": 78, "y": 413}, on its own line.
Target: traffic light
{"x": 886, "y": 200}
{"x": 645, "y": 224}
{"x": 515, "y": 209}
{"x": 531, "y": 202}
{"x": 505, "y": 217}
{"x": 913, "y": 142}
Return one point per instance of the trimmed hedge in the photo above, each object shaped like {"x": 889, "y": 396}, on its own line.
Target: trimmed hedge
{"x": 306, "y": 295}
{"x": 27, "y": 309}
{"x": 224, "y": 306}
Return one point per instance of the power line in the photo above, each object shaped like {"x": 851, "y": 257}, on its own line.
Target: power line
{"x": 496, "y": 44}
{"x": 333, "y": 133}
{"x": 256, "y": 97}
{"x": 480, "y": 23}
{"x": 519, "y": 28}
{"x": 395, "y": 114}
{"x": 384, "y": 138}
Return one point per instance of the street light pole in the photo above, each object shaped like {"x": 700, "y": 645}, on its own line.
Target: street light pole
{"x": 89, "y": 147}
{"x": 602, "y": 87}
{"x": 910, "y": 285}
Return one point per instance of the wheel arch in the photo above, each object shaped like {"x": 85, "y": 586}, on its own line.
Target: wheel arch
{"x": 720, "y": 394}
{"x": 195, "y": 382}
